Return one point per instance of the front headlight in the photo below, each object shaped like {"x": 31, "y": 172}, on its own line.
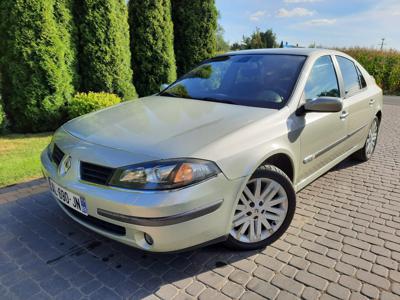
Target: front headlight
{"x": 164, "y": 175}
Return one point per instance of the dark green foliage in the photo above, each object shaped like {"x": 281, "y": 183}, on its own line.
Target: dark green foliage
{"x": 84, "y": 103}
{"x": 258, "y": 40}
{"x": 195, "y": 26}
{"x": 37, "y": 79}
{"x": 152, "y": 46}
{"x": 104, "y": 56}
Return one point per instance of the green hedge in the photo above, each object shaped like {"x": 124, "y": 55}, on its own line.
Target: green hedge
{"x": 84, "y": 103}
{"x": 383, "y": 65}
{"x": 195, "y": 26}
{"x": 153, "y": 58}
{"x": 104, "y": 55}
{"x": 36, "y": 78}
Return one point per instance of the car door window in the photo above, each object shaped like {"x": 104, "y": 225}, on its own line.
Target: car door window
{"x": 351, "y": 78}
{"x": 322, "y": 81}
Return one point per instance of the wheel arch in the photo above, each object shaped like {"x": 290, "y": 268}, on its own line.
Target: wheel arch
{"x": 379, "y": 115}
{"x": 282, "y": 161}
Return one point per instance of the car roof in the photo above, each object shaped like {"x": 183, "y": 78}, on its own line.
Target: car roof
{"x": 289, "y": 51}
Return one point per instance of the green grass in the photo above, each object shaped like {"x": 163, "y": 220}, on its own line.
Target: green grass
{"x": 20, "y": 157}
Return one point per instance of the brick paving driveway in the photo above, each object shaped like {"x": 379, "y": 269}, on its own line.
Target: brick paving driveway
{"x": 344, "y": 242}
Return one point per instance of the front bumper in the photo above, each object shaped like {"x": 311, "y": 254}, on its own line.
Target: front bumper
{"x": 175, "y": 220}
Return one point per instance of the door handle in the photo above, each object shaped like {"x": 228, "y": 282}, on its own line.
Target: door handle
{"x": 371, "y": 102}
{"x": 344, "y": 115}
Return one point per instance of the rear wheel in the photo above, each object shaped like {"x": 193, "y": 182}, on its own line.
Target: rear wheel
{"x": 264, "y": 211}
{"x": 366, "y": 152}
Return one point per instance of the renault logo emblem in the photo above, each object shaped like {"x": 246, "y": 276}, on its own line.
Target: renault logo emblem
{"x": 65, "y": 165}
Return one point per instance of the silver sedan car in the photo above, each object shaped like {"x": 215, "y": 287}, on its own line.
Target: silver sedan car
{"x": 219, "y": 154}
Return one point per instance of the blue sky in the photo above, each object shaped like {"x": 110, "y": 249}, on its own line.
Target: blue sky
{"x": 340, "y": 23}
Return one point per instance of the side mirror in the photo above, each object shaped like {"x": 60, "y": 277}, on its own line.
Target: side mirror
{"x": 163, "y": 86}
{"x": 324, "y": 104}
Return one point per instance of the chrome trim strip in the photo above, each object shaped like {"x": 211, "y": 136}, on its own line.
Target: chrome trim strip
{"x": 311, "y": 157}
{"x": 161, "y": 221}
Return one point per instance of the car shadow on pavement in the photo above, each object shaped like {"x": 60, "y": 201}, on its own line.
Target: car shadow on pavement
{"x": 347, "y": 163}
{"x": 38, "y": 241}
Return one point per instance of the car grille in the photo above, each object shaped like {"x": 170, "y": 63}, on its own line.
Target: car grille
{"x": 100, "y": 224}
{"x": 57, "y": 155}
{"x": 96, "y": 174}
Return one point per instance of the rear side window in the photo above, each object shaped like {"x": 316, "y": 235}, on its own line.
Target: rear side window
{"x": 361, "y": 79}
{"x": 322, "y": 81}
{"x": 351, "y": 77}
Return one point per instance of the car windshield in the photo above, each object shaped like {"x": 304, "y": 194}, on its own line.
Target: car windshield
{"x": 261, "y": 80}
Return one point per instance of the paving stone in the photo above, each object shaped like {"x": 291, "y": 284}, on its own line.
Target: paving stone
{"x": 357, "y": 296}
{"x": 310, "y": 293}
{"x": 287, "y": 284}
{"x": 269, "y": 262}
{"x": 25, "y": 289}
{"x": 233, "y": 290}
{"x": 167, "y": 292}
{"x": 248, "y": 295}
{"x": 212, "y": 279}
{"x": 338, "y": 291}
{"x": 356, "y": 262}
{"x": 283, "y": 295}
{"x": 311, "y": 280}
{"x": 263, "y": 273}
{"x": 71, "y": 293}
{"x": 104, "y": 293}
{"x": 324, "y": 272}
{"x": 350, "y": 282}
{"x": 240, "y": 277}
{"x": 373, "y": 279}
{"x": 388, "y": 296}
{"x": 212, "y": 294}
{"x": 195, "y": 288}
{"x": 370, "y": 291}
{"x": 320, "y": 259}
{"x": 54, "y": 285}
{"x": 263, "y": 288}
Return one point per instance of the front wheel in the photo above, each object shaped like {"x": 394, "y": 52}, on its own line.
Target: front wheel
{"x": 265, "y": 210}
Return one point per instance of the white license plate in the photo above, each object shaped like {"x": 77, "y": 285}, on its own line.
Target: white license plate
{"x": 72, "y": 200}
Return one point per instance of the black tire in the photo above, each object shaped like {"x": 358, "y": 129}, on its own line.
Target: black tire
{"x": 361, "y": 155}
{"x": 271, "y": 172}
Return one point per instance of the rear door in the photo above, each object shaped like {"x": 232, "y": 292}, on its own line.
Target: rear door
{"x": 357, "y": 101}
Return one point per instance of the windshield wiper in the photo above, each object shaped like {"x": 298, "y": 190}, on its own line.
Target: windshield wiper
{"x": 211, "y": 99}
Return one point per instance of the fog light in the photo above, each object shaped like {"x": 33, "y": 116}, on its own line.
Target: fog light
{"x": 148, "y": 239}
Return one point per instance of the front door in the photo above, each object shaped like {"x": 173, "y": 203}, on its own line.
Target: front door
{"x": 323, "y": 135}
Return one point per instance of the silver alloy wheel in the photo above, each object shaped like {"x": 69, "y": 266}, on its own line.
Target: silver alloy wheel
{"x": 371, "y": 139}
{"x": 261, "y": 210}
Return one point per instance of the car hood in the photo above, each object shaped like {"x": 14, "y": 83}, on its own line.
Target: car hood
{"x": 163, "y": 127}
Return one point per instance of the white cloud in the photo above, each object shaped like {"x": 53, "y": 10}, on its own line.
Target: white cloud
{"x": 295, "y": 12}
{"x": 256, "y": 16}
{"x": 301, "y": 1}
{"x": 318, "y": 22}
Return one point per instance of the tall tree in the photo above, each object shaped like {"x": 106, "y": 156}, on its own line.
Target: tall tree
{"x": 195, "y": 26}
{"x": 36, "y": 79}
{"x": 104, "y": 55}
{"x": 152, "y": 44}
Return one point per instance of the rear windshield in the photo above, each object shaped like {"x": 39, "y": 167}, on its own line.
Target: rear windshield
{"x": 262, "y": 80}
